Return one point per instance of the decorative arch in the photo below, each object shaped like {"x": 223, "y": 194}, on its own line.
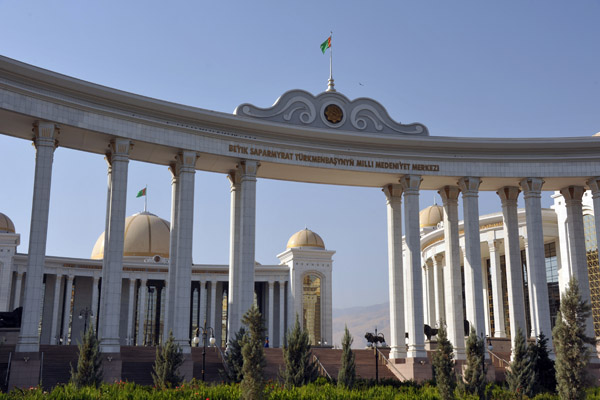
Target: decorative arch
{"x": 312, "y": 305}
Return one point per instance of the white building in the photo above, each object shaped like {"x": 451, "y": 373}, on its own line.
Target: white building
{"x": 327, "y": 139}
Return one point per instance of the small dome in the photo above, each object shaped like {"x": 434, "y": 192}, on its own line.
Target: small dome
{"x": 305, "y": 238}
{"x": 596, "y": 134}
{"x": 146, "y": 235}
{"x": 431, "y": 216}
{"x": 6, "y": 225}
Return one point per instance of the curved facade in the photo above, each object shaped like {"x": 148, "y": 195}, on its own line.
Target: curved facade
{"x": 327, "y": 139}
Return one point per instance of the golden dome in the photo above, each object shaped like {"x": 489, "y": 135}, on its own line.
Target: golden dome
{"x": 431, "y": 216}
{"x": 146, "y": 235}
{"x": 305, "y": 238}
{"x": 6, "y": 225}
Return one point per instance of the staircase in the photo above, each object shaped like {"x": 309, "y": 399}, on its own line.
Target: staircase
{"x": 56, "y": 366}
{"x": 275, "y": 363}
{"x": 213, "y": 364}
{"x": 364, "y": 360}
{"x": 137, "y": 363}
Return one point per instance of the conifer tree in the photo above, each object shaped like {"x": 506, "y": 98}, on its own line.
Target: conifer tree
{"x": 347, "y": 374}
{"x": 543, "y": 366}
{"x": 443, "y": 365}
{"x": 474, "y": 379}
{"x": 299, "y": 369}
{"x": 572, "y": 352}
{"x": 235, "y": 359}
{"x": 169, "y": 357}
{"x": 253, "y": 352}
{"x": 89, "y": 364}
{"x": 520, "y": 375}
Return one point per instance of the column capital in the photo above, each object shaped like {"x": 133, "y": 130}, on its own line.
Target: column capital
{"x": 532, "y": 187}
{"x": 410, "y": 184}
{"x": 248, "y": 169}
{"x": 235, "y": 178}
{"x": 186, "y": 161}
{"x": 572, "y": 193}
{"x": 271, "y": 284}
{"x": 449, "y": 194}
{"x": 509, "y": 194}
{"x": 594, "y": 184}
{"x": 493, "y": 244}
{"x": 437, "y": 259}
{"x": 393, "y": 192}
{"x": 119, "y": 150}
{"x": 46, "y": 134}
{"x": 469, "y": 186}
{"x": 281, "y": 283}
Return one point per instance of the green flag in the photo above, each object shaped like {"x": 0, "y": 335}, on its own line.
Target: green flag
{"x": 141, "y": 193}
{"x": 326, "y": 44}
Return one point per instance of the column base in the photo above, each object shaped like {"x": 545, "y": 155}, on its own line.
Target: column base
{"x": 111, "y": 367}
{"x": 491, "y": 371}
{"x": 24, "y": 371}
{"x": 417, "y": 369}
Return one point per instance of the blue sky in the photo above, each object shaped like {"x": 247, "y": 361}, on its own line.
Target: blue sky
{"x": 463, "y": 68}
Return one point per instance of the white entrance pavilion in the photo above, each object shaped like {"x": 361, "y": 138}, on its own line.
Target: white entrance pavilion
{"x": 326, "y": 139}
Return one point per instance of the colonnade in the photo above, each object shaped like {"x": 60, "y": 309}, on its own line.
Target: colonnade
{"x": 242, "y": 253}
{"x": 432, "y": 287}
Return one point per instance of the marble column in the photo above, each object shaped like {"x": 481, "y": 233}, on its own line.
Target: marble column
{"x": 130, "y": 321}
{"x": 143, "y": 292}
{"x": 594, "y": 184}
{"x": 248, "y": 171}
{"x": 67, "y": 310}
{"x": 271, "y": 313}
{"x": 397, "y": 338}
{"x": 172, "y": 275}
{"x": 234, "y": 318}
{"x": 533, "y": 321}
{"x": 438, "y": 280}
{"x": 512, "y": 253}
{"x": 452, "y": 272}
{"x": 532, "y": 193}
{"x": 577, "y": 253}
{"x": 17, "y": 290}
{"x": 55, "y": 311}
{"x": 497, "y": 295}
{"x": 112, "y": 265}
{"x": 185, "y": 227}
{"x": 469, "y": 187}
{"x": 281, "y": 313}
{"x": 45, "y": 142}
{"x": 202, "y": 303}
{"x": 95, "y": 299}
{"x": 414, "y": 283}
{"x": 486, "y": 297}
{"x": 213, "y": 304}
{"x": 430, "y": 294}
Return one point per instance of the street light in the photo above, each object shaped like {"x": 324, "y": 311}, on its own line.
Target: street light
{"x": 204, "y": 330}
{"x": 374, "y": 339}
{"x": 85, "y": 314}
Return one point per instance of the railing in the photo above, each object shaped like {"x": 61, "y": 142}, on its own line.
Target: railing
{"x": 389, "y": 364}
{"x": 8, "y": 370}
{"x": 223, "y": 360}
{"x": 503, "y": 363}
{"x": 321, "y": 368}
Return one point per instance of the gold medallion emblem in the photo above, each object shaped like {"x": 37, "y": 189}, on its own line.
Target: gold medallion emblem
{"x": 333, "y": 113}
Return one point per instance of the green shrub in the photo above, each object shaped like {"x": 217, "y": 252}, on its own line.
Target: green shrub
{"x": 169, "y": 358}
{"x": 253, "y": 383}
{"x": 89, "y": 364}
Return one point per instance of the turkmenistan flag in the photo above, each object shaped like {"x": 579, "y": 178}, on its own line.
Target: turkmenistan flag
{"x": 326, "y": 44}
{"x": 141, "y": 193}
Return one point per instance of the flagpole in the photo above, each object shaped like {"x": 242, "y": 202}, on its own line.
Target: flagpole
{"x": 330, "y": 85}
{"x": 146, "y": 199}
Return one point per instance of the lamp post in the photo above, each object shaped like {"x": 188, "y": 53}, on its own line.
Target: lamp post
{"x": 374, "y": 339}
{"x": 204, "y": 331}
{"x": 85, "y": 314}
